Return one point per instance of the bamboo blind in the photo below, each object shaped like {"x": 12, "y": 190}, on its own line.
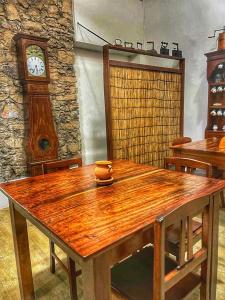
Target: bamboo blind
{"x": 145, "y": 113}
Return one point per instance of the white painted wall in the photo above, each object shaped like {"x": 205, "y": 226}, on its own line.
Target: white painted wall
{"x": 111, "y": 19}
{"x": 188, "y": 22}
{"x": 89, "y": 72}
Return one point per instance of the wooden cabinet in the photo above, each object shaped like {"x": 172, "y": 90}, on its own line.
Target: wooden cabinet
{"x": 216, "y": 94}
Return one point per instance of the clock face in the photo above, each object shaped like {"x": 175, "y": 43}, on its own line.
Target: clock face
{"x": 35, "y": 66}
{"x": 35, "y": 61}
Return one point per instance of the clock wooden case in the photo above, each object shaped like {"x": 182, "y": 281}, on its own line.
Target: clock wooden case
{"x": 216, "y": 94}
{"x": 41, "y": 142}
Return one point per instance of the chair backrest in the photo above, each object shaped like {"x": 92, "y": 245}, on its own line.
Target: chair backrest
{"x": 57, "y": 165}
{"x": 181, "y": 140}
{"x": 188, "y": 165}
{"x": 183, "y": 216}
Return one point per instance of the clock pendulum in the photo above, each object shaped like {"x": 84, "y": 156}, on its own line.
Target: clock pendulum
{"x": 41, "y": 141}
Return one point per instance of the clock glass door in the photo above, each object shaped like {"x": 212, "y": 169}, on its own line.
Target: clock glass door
{"x": 35, "y": 61}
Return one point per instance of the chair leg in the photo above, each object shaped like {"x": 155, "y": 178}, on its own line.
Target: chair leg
{"x": 204, "y": 288}
{"x": 72, "y": 278}
{"x": 52, "y": 258}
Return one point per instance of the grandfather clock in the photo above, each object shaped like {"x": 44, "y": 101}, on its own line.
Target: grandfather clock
{"x": 41, "y": 142}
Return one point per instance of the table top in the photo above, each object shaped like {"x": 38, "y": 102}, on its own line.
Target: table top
{"x": 209, "y": 145}
{"x": 34, "y": 191}
{"x": 90, "y": 219}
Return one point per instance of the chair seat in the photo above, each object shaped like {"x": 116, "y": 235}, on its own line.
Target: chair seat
{"x": 134, "y": 277}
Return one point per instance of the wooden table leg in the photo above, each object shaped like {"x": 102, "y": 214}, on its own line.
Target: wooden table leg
{"x": 214, "y": 257}
{"x": 96, "y": 275}
{"x": 22, "y": 253}
{"x": 72, "y": 278}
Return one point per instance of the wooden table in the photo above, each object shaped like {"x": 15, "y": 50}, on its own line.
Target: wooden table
{"x": 98, "y": 227}
{"x": 205, "y": 150}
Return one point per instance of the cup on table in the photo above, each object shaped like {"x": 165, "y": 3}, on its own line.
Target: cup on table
{"x": 103, "y": 170}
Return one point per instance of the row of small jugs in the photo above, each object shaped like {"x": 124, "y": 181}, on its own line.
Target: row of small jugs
{"x": 215, "y": 127}
{"x": 217, "y": 89}
{"x": 218, "y": 113}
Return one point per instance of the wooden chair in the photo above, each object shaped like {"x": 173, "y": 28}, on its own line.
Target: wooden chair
{"x": 70, "y": 269}
{"x": 188, "y": 166}
{"x": 150, "y": 274}
{"x": 181, "y": 140}
{"x": 58, "y": 165}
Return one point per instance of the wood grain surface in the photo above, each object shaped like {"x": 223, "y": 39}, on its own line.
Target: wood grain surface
{"x": 43, "y": 189}
{"x": 205, "y": 150}
{"x": 207, "y": 145}
{"x": 89, "y": 222}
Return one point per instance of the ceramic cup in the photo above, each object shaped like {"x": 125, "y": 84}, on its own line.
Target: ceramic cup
{"x": 213, "y": 90}
{"x": 213, "y": 113}
{"x": 215, "y": 127}
{"x": 219, "y": 112}
{"x": 219, "y": 89}
{"x": 103, "y": 169}
{"x": 223, "y": 128}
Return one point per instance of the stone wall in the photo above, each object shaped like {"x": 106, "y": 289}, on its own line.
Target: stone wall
{"x": 52, "y": 19}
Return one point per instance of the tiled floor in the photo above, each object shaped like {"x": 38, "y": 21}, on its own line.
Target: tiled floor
{"x": 49, "y": 286}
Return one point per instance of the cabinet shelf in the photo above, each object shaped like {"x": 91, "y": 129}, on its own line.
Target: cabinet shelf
{"x": 218, "y": 131}
{"x": 217, "y": 106}
{"x": 216, "y": 83}
{"x": 217, "y": 93}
